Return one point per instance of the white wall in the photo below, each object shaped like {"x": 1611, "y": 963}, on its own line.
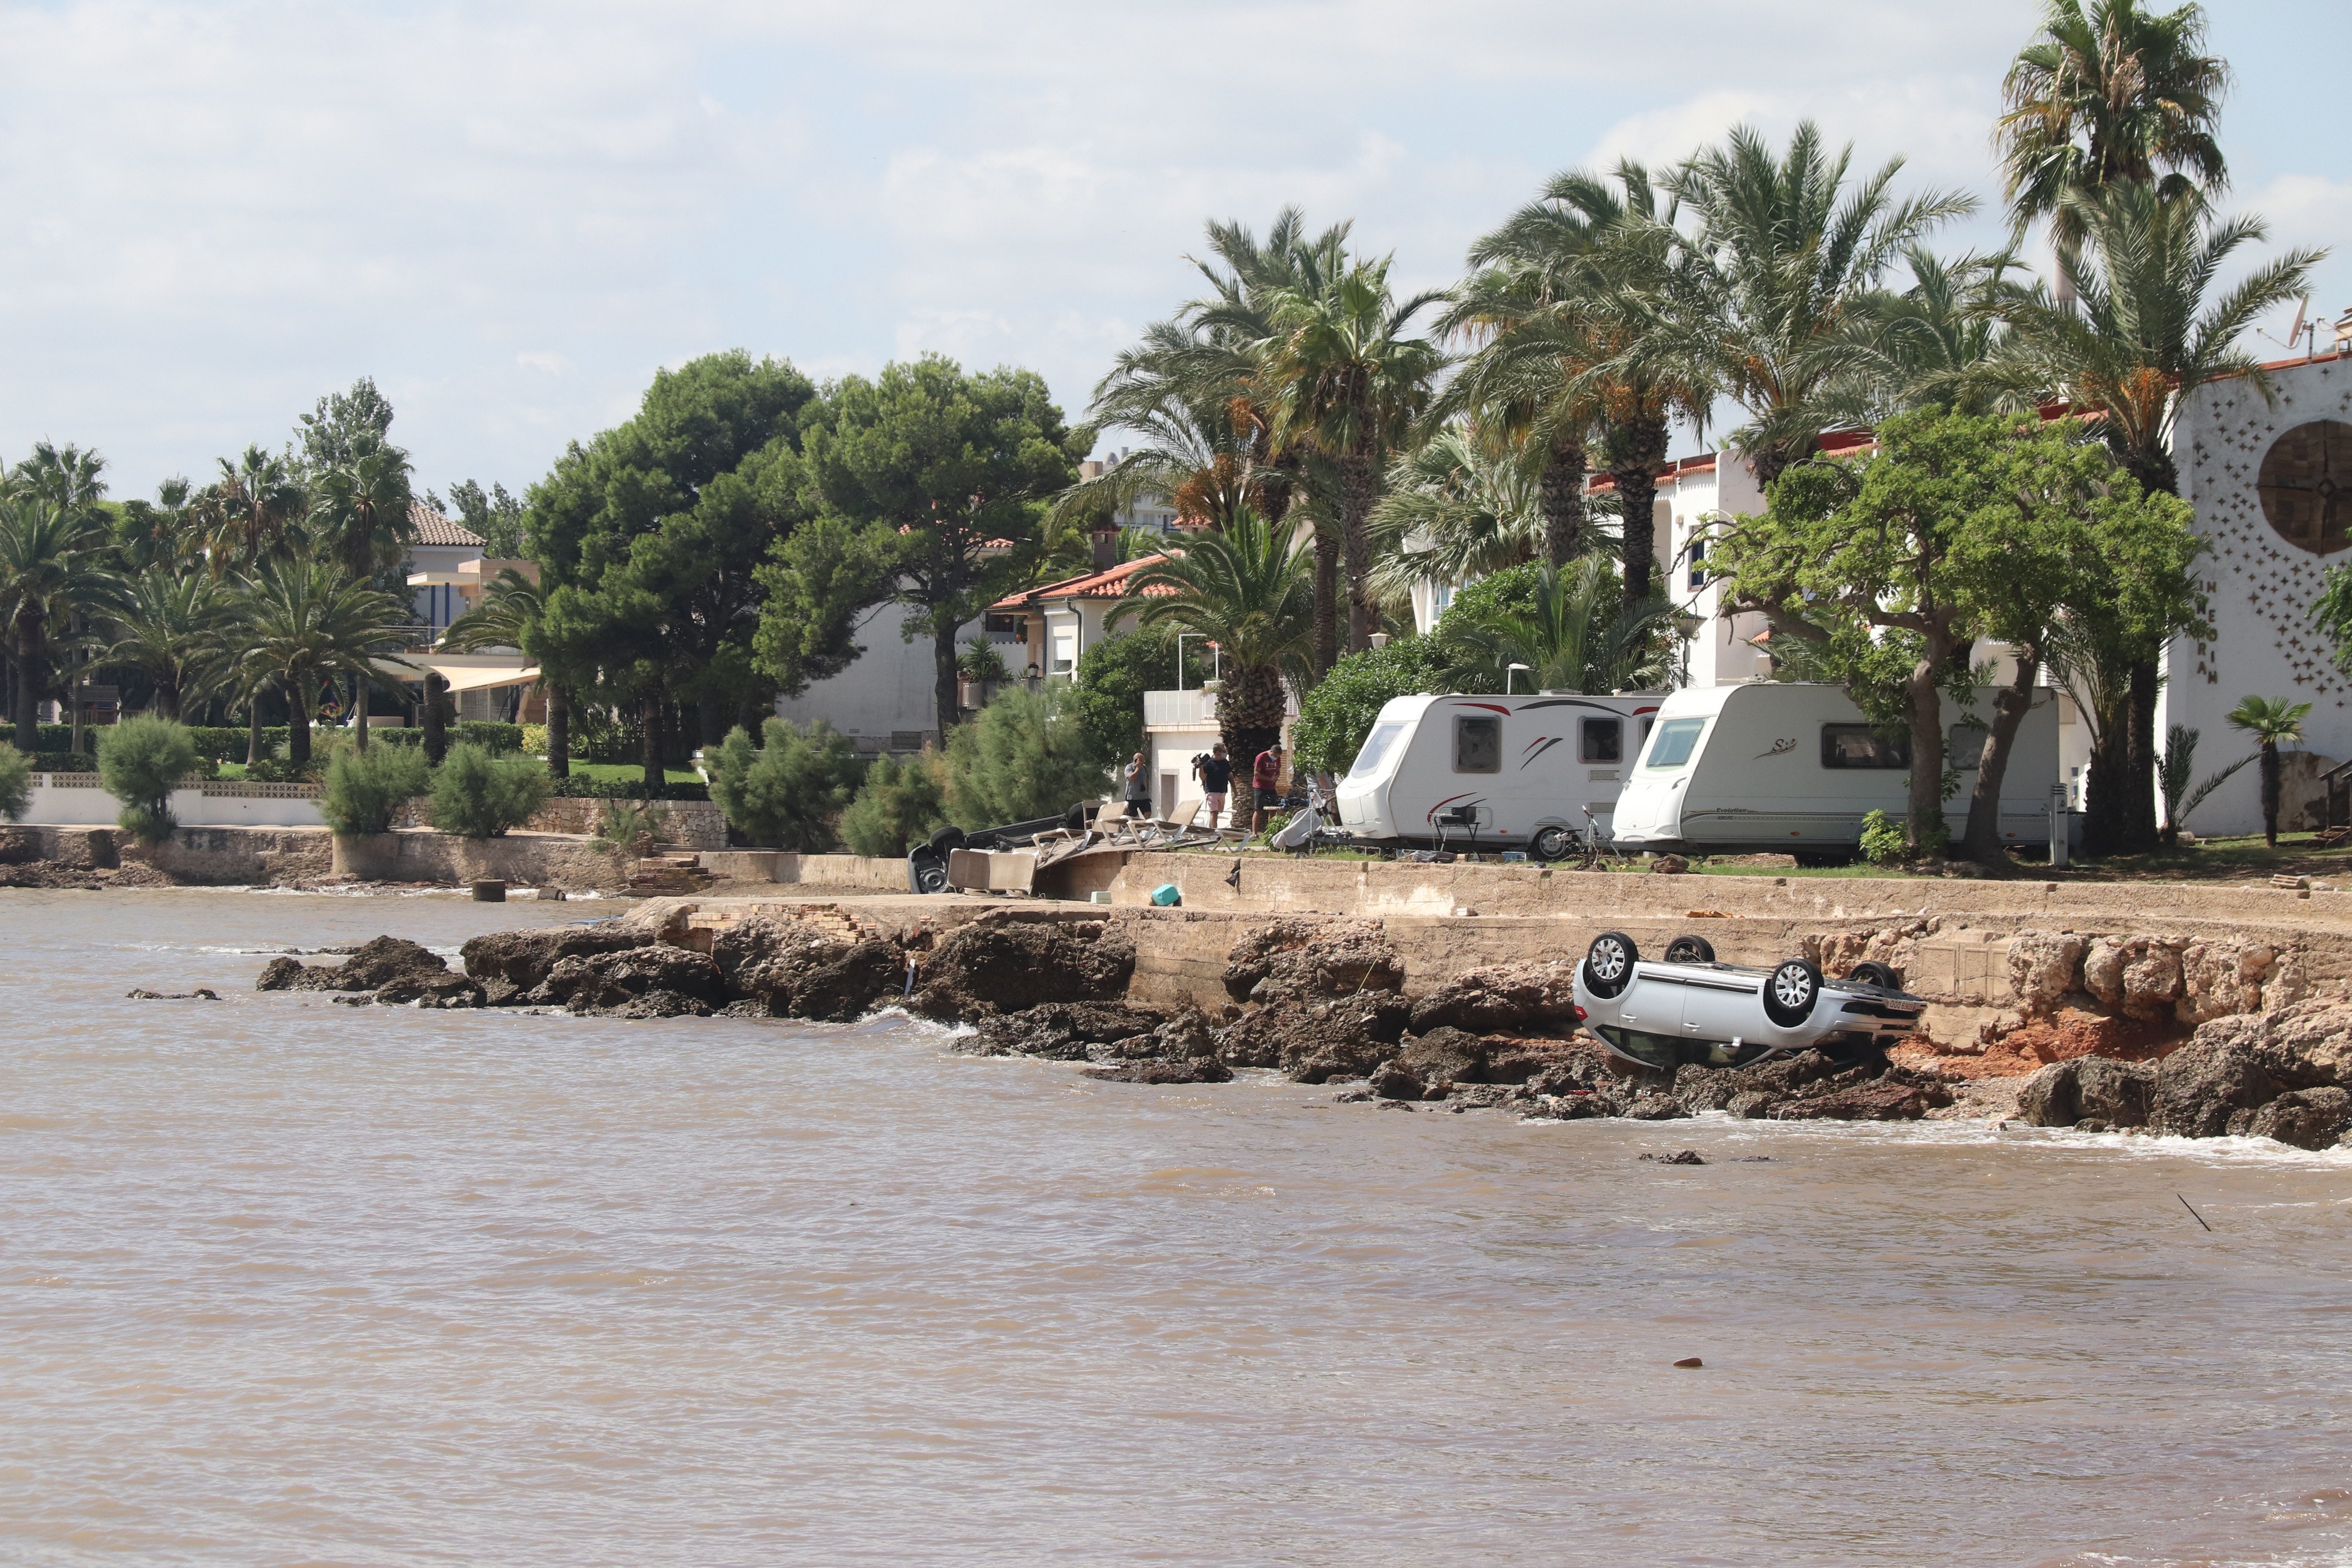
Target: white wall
{"x": 888, "y": 691}
{"x": 2259, "y": 585}
{"x": 76, "y": 800}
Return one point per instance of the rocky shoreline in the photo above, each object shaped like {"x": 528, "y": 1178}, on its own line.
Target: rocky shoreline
{"x": 1323, "y": 1000}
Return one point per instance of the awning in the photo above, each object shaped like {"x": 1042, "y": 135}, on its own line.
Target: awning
{"x": 462, "y": 673}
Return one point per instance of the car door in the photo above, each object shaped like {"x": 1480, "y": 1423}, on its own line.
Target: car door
{"x": 1652, "y": 1005}
{"x": 1721, "y": 1005}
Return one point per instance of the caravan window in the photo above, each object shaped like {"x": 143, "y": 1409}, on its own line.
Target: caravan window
{"x": 1477, "y": 745}
{"x": 1377, "y": 746}
{"x": 1964, "y": 747}
{"x": 1860, "y": 746}
{"x": 1676, "y": 740}
{"x": 1603, "y": 741}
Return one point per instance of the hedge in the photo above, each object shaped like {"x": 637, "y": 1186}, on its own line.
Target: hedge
{"x": 226, "y": 743}
{"x": 584, "y": 786}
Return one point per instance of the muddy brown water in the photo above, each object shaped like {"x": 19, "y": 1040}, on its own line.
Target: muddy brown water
{"x": 283, "y": 1281}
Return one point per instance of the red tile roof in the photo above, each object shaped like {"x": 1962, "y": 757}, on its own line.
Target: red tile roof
{"x": 1105, "y": 584}
{"x": 431, "y": 528}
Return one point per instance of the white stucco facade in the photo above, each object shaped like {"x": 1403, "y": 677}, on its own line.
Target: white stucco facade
{"x": 2260, "y": 583}
{"x": 886, "y": 702}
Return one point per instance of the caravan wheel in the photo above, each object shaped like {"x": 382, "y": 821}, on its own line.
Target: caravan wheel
{"x": 1557, "y": 842}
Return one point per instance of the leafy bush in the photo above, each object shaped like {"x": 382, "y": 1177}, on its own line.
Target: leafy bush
{"x": 534, "y": 740}
{"x": 479, "y": 795}
{"x": 365, "y": 790}
{"x": 1884, "y": 842}
{"x": 1337, "y": 714}
{"x": 1114, "y": 674}
{"x": 899, "y": 804}
{"x": 141, "y": 760}
{"x": 499, "y": 739}
{"x": 64, "y": 763}
{"x": 1024, "y": 756}
{"x": 784, "y": 793}
{"x": 279, "y": 769}
{"x": 980, "y": 661}
{"x": 625, "y": 821}
{"x": 629, "y": 787}
{"x": 15, "y": 782}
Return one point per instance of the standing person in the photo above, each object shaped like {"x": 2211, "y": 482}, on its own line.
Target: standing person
{"x": 1139, "y": 787}
{"x": 1216, "y": 771}
{"x": 1266, "y": 777}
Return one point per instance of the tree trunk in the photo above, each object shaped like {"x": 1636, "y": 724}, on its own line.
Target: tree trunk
{"x": 1327, "y": 599}
{"x": 2270, "y": 766}
{"x": 167, "y": 699}
{"x": 1929, "y": 831}
{"x": 1642, "y": 448}
{"x": 1358, "y": 482}
{"x": 73, "y": 704}
{"x": 2103, "y": 792}
{"x": 2009, "y": 705}
{"x": 298, "y": 726}
{"x": 436, "y": 729}
{"x": 2138, "y": 811}
{"x": 559, "y": 734}
{"x": 1560, "y": 493}
{"x": 28, "y": 685}
{"x": 1249, "y": 719}
{"x": 360, "y": 685}
{"x": 1771, "y": 462}
{"x": 253, "y": 728}
{"x": 944, "y": 674}
{"x": 656, "y": 772}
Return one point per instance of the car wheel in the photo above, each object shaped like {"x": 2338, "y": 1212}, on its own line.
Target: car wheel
{"x": 1690, "y": 950}
{"x": 947, "y": 838}
{"x": 1790, "y": 992}
{"x": 1554, "y": 843}
{"x": 1608, "y": 963}
{"x": 1870, "y": 972}
{"x": 927, "y": 872}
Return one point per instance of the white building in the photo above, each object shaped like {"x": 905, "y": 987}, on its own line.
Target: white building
{"x": 887, "y": 700}
{"x": 2271, "y": 483}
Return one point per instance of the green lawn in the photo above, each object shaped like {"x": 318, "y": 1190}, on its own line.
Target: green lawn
{"x": 632, "y": 771}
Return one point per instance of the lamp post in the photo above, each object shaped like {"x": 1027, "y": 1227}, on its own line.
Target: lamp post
{"x": 1180, "y": 657}
{"x": 1507, "y": 671}
{"x": 1378, "y": 640}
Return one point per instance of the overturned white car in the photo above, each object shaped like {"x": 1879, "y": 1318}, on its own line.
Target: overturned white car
{"x": 1687, "y": 1007}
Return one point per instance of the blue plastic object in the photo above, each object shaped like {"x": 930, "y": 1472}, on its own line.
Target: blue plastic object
{"x": 1167, "y": 893}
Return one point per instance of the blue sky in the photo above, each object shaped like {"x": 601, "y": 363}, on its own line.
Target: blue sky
{"x": 511, "y": 215}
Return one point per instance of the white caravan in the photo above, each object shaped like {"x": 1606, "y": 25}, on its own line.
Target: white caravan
{"x": 1493, "y": 773}
{"x": 1791, "y": 766}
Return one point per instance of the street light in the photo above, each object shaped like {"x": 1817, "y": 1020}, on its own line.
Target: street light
{"x": 1379, "y": 639}
{"x": 1507, "y": 676}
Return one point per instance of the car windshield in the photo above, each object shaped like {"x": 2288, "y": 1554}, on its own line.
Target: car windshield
{"x": 1672, "y": 746}
{"x": 1376, "y": 748}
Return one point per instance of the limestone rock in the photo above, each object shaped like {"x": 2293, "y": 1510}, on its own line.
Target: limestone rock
{"x": 1060, "y": 1031}
{"x": 1885, "y": 1100}
{"x": 609, "y": 981}
{"x": 2217, "y": 1073}
{"x": 424, "y": 989}
{"x": 1445, "y": 1055}
{"x": 2051, "y": 1098}
{"x": 371, "y": 964}
{"x": 523, "y": 957}
{"x": 2306, "y": 1118}
{"x": 2044, "y": 966}
{"x": 1294, "y": 960}
{"x": 1504, "y": 998}
{"x": 1395, "y": 1081}
{"x": 2220, "y": 978}
{"x": 1005, "y": 966}
{"x": 819, "y": 978}
{"x": 1192, "y": 1070}
{"x": 2121, "y": 1094}
{"x": 661, "y": 1002}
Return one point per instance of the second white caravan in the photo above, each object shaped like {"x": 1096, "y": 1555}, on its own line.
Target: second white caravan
{"x": 1792, "y": 766}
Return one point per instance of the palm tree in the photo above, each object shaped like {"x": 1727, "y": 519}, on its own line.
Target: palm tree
{"x": 1579, "y": 636}
{"x": 1785, "y": 258}
{"x": 508, "y": 618}
{"x": 170, "y": 624}
{"x": 248, "y": 510}
{"x": 1459, "y": 507}
{"x": 359, "y": 511}
{"x": 1942, "y": 341}
{"x": 1349, "y": 380}
{"x": 158, "y": 532}
{"x": 2103, "y": 97}
{"x": 2271, "y": 721}
{"x": 307, "y": 622}
{"x": 1246, "y": 590}
{"x": 53, "y": 571}
{"x": 2149, "y": 329}
{"x": 69, "y": 478}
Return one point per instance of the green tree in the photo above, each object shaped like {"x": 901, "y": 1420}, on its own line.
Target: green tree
{"x": 899, "y": 804}
{"x": 1459, "y": 507}
{"x": 160, "y": 532}
{"x": 16, "y": 783}
{"x": 492, "y": 513}
{"x": 784, "y": 793}
{"x": 647, "y": 557}
{"x": 1245, "y": 590}
{"x": 934, "y": 484}
{"x": 141, "y": 760}
{"x": 341, "y": 428}
{"x": 171, "y": 625}
{"x": 1349, "y": 378}
{"x": 248, "y": 510}
{"x": 478, "y": 795}
{"x": 53, "y": 570}
{"x": 1576, "y": 634}
{"x": 2107, "y": 96}
{"x": 1786, "y": 260}
{"x": 1863, "y": 559}
{"x": 508, "y": 618}
{"x": 1022, "y": 757}
{"x": 1113, "y": 673}
{"x": 1334, "y": 717}
{"x": 2151, "y": 325}
{"x": 358, "y": 510}
{"x": 2273, "y": 721}
{"x": 365, "y": 789}
{"x": 306, "y": 622}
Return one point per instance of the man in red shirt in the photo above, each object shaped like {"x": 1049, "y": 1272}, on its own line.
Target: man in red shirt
{"x": 1266, "y": 779}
